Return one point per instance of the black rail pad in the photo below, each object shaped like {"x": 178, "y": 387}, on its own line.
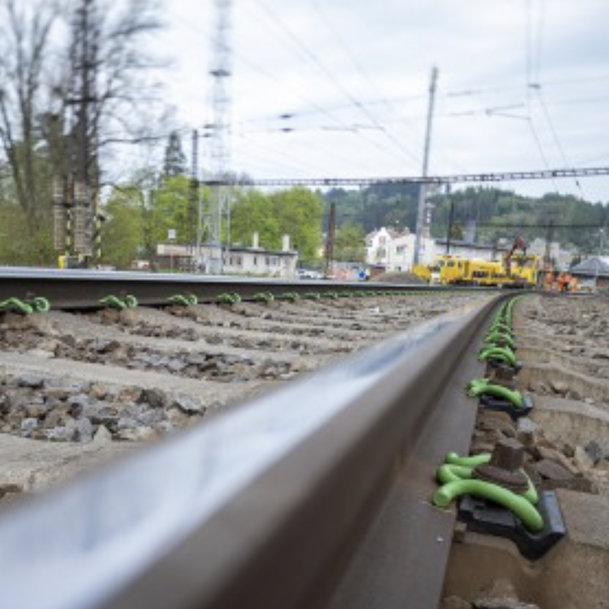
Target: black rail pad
{"x": 491, "y": 402}
{"x": 486, "y": 517}
{"x": 497, "y": 362}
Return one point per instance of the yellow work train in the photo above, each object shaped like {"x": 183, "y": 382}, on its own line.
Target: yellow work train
{"x": 448, "y": 270}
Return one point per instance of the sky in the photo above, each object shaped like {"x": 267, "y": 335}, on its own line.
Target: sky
{"x": 522, "y": 85}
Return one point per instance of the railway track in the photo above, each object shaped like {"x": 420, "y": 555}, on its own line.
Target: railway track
{"x": 315, "y": 494}
{"x": 111, "y": 374}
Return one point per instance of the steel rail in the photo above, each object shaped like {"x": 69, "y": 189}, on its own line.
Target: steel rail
{"x": 80, "y": 289}
{"x": 314, "y": 496}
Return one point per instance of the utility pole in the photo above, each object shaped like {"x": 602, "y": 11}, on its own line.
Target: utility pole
{"x": 220, "y": 152}
{"x": 330, "y": 239}
{"x": 423, "y": 209}
{"x": 547, "y": 258}
{"x": 451, "y": 217}
{"x": 194, "y": 206}
{"x": 83, "y": 230}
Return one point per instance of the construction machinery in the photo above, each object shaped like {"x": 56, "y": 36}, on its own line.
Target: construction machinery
{"x": 521, "y": 270}
{"x": 432, "y": 273}
{"x": 472, "y": 271}
{"x": 518, "y": 270}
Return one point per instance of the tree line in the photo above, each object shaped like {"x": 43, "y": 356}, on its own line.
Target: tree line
{"x": 140, "y": 214}
{"x": 495, "y": 213}
{"x": 75, "y": 84}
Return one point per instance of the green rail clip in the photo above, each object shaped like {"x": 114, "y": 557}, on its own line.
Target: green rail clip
{"x": 504, "y": 354}
{"x": 16, "y": 305}
{"x": 291, "y": 296}
{"x": 265, "y": 297}
{"x": 38, "y": 304}
{"x": 183, "y": 300}
{"x": 479, "y": 387}
{"x": 229, "y": 298}
{"x": 456, "y": 479}
{"x": 113, "y": 302}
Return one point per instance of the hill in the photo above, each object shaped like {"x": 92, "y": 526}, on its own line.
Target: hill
{"x": 496, "y": 213}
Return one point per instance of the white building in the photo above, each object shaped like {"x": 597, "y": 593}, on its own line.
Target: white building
{"x": 239, "y": 260}
{"x": 395, "y": 250}
{"x": 401, "y": 252}
{"x": 377, "y": 245}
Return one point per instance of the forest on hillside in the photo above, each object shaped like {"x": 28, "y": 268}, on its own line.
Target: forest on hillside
{"x": 497, "y": 213}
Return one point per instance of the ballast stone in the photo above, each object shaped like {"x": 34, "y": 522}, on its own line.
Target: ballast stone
{"x": 594, "y": 451}
{"x": 188, "y": 405}
{"x": 30, "y": 380}
{"x": 155, "y": 397}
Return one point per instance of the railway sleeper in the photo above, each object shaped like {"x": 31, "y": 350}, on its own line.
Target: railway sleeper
{"x": 563, "y": 446}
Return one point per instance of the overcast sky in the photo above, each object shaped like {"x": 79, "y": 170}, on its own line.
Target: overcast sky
{"x": 353, "y": 76}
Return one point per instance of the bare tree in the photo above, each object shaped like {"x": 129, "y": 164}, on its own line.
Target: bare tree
{"x": 75, "y": 81}
{"x": 25, "y": 34}
{"x": 111, "y": 83}
{"x": 110, "y": 86}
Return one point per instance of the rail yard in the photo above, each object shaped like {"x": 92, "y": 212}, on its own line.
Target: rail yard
{"x": 302, "y": 444}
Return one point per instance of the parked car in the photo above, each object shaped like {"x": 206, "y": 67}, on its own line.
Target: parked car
{"x": 308, "y": 274}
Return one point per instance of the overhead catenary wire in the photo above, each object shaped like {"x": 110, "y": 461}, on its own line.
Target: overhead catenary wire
{"x": 441, "y": 96}
{"x": 390, "y": 122}
{"x": 536, "y": 66}
{"x": 337, "y": 37}
{"x": 537, "y": 141}
{"x": 332, "y": 77}
{"x": 277, "y": 158}
{"x": 555, "y": 135}
{"x": 263, "y": 71}
{"x": 339, "y": 122}
{"x": 528, "y": 44}
{"x": 527, "y": 48}
{"x": 537, "y": 225}
{"x": 533, "y": 77}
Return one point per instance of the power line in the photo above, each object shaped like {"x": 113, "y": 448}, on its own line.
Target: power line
{"x": 332, "y": 78}
{"x": 555, "y": 135}
{"x": 540, "y": 31}
{"x": 527, "y": 47}
{"x": 538, "y": 225}
{"x": 539, "y": 147}
{"x": 278, "y": 80}
{"x": 356, "y": 64}
{"x": 276, "y": 158}
{"x": 259, "y": 69}
{"x": 444, "y": 96}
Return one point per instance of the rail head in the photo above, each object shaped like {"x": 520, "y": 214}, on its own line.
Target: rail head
{"x": 84, "y": 289}
{"x": 265, "y": 501}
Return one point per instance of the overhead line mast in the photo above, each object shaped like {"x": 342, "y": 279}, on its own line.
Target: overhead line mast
{"x": 424, "y": 208}
{"x": 77, "y": 229}
{"x": 220, "y": 151}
